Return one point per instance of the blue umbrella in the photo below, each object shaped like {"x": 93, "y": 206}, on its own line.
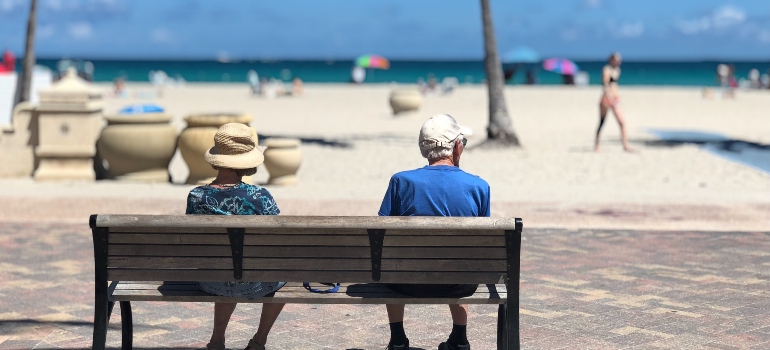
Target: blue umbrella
{"x": 141, "y": 109}
{"x": 521, "y": 54}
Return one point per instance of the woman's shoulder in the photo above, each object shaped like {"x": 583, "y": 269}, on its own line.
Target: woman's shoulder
{"x": 255, "y": 189}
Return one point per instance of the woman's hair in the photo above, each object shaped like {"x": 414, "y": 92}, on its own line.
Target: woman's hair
{"x": 614, "y": 55}
{"x": 242, "y": 172}
{"x": 440, "y": 152}
{"x": 246, "y": 172}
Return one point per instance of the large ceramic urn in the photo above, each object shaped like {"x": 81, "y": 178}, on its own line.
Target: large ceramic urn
{"x": 138, "y": 147}
{"x": 282, "y": 160}
{"x": 198, "y": 137}
{"x": 405, "y": 100}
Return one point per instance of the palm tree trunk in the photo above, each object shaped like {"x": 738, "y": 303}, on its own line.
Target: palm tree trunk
{"x": 24, "y": 84}
{"x": 500, "y": 130}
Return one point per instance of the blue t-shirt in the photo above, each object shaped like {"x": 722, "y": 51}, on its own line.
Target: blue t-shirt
{"x": 437, "y": 190}
{"x": 241, "y": 199}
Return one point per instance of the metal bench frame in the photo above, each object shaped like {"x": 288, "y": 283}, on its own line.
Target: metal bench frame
{"x": 508, "y": 310}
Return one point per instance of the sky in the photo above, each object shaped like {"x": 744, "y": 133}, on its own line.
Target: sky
{"x": 397, "y": 29}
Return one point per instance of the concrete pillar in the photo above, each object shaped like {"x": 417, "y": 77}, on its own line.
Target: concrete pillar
{"x": 69, "y": 121}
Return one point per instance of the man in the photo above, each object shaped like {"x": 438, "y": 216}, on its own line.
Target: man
{"x": 439, "y": 189}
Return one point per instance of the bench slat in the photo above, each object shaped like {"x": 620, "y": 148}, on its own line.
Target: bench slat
{"x": 307, "y": 264}
{"x": 337, "y": 276}
{"x": 309, "y": 240}
{"x": 308, "y": 231}
{"x": 295, "y": 293}
{"x": 285, "y": 221}
{"x": 492, "y": 253}
{"x": 248, "y": 263}
{"x": 248, "y": 251}
{"x": 291, "y": 286}
{"x": 305, "y": 251}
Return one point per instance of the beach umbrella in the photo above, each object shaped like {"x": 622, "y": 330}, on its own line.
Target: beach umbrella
{"x": 560, "y": 66}
{"x": 373, "y": 61}
{"x": 521, "y": 54}
{"x": 141, "y": 108}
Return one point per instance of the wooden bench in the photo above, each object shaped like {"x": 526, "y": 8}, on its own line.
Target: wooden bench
{"x": 153, "y": 258}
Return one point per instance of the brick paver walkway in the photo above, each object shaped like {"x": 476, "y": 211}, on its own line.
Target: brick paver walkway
{"x": 585, "y": 289}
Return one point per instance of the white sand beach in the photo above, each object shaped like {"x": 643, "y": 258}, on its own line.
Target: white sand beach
{"x": 353, "y": 144}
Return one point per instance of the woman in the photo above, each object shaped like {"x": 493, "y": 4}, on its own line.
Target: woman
{"x": 611, "y": 99}
{"x": 235, "y": 155}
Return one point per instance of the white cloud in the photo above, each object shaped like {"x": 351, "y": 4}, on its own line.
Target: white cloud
{"x": 694, "y": 26}
{"x": 81, "y": 30}
{"x": 728, "y": 16}
{"x": 45, "y": 31}
{"x": 6, "y": 6}
{"x": 162, "y": 36}
{"x": 630, "y": 29}
{"x": 724, "y": 17}
{"x": 53, "y": 5}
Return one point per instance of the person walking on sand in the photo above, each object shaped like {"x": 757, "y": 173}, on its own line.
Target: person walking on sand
{"x": 611, "y": 100}
{"x": 234, "y": 155}
{"x": 439, "y": 189}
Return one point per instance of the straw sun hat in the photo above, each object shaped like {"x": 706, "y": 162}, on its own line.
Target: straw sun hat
{"x": 235, "y": 147}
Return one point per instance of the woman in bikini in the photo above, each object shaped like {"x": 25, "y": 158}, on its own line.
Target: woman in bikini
{"x": 611, "y": 99}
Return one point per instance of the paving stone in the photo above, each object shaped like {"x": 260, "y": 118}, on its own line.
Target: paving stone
{"x": 586, "y": 289}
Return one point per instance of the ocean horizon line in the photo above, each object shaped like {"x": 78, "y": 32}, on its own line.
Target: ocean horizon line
{"x": 416, "y": 60}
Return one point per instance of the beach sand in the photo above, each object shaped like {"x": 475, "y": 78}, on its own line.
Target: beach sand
{"x": 353, "y": 144}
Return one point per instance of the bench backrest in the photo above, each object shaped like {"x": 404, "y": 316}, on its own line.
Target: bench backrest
{"x": 302, "y": 248}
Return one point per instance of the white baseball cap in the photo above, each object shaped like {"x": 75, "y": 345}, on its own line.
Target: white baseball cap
{"x": 440, "y": 130}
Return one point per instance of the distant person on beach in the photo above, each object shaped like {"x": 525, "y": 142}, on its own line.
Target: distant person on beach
{"x": 439, "y": 189}
{"x": 9, "y": 62}
{"x": 754, "y": 82}
{"x": 297, "y": 88}
{"x": 234, "y": 155}
{"x": 722, "y": 72}
{"x": 253, "y": 78}
{"x": 568, "y": 79}
{"x": 532, "y": 77}
{"x": 120, "y": 87}
{"x": 611, "y": 99}
{"x": 357, "y": 75}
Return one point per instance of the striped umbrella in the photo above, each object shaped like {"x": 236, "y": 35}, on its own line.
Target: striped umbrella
{"x": 560, "y": 66}
{"x": 373, "y": 61}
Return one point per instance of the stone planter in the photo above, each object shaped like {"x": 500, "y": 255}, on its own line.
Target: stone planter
{"x": 68, "y": 120}
{"x": 282, "y": 159}
{"x": 198, "y": 137}
{"x": 138, "y": 147}
{"x": 404, "y": 100}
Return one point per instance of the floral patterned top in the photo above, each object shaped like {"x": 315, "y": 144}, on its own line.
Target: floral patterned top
{"x": 241, "y": 199}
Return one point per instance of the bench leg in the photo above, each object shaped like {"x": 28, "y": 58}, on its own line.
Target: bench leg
{"x": 126, "y": 321}
{"x": 102, "y": 309}
{"x": 512, "y": 321}
{"x": 502, "y": 340}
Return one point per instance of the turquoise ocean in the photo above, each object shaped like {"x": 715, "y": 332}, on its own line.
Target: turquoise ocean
{"x": 634, "y": 73}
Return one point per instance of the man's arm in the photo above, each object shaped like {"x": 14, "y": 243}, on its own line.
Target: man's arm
{"x": 390, "y": 202}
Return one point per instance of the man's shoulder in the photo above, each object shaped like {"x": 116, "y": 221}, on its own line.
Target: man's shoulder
{"x": 475, "y": 179}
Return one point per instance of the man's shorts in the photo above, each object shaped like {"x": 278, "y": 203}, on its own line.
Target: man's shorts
{"x": 435, "y": 290}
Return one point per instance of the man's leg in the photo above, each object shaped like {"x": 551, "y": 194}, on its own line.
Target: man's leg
{"x": 398, "y": 338}
{"x": 270, "y": 313}
{"x": 459, "y": 336}
{"x": 222, "y": 313}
